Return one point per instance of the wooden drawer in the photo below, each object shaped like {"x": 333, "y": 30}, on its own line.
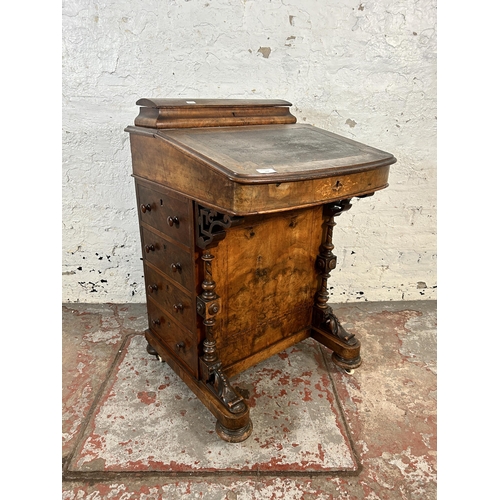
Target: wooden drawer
{"x": 174, "y": 301}
{"x": 182, "y": 344}
{"x": 169, "y": 213}
{"x": 168, "y": 258}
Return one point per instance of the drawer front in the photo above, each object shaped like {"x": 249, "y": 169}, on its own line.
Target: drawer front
{"x": 170, "y": 214}
{"x": 170, "y": 298}
{"x": 168, "y": 258}
{"x": 180, "y": 343}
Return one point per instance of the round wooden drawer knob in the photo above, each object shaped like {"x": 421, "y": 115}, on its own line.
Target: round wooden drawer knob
{"x": 178, "y": 308}
{"x": 145, "y": 208}
{"x": 153, "y": 288}
{"x": 176, "y": 267}
{"x": 149, "y": 248}
{"x": 173, "y": 220}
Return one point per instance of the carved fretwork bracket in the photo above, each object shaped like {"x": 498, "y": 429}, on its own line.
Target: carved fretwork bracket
{"x": 207, "y": 306}
{"x": 337, "y": 207}
{"x": 211, "y": 225}
{"x": 326, "y": 326}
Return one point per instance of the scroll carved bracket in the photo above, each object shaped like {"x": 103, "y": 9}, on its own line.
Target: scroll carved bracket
{"x": 211, "y": 225}
{"x": 325, "y": 320}
{"x": 218, "y": 383}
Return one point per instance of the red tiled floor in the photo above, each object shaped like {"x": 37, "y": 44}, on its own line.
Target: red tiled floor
{"x": 149, "y": 420}
{"x": 389, "y": 406}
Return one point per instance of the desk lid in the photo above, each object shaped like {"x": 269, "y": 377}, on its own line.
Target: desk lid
{"x": 276, "y": 153}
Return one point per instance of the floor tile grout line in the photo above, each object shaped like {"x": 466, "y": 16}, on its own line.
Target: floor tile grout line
{"x": 111, "y": 476}
{"x": 342, "y": 415}
{"x": 95, "y": 403}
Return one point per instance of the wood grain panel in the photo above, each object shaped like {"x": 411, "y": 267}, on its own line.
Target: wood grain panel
{"x": 266, "y": 280}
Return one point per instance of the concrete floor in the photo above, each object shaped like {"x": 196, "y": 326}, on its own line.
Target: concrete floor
{"x": 378, "y": 437}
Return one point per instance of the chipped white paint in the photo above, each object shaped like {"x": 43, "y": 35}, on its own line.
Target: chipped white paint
{"x": 110, "y": 337}
{"x": 416, "y": 469}
{"x": 181, "y": 489}
{"x": 424, "y": 343}
{"x": 150, "y": 420}
{"x": 76, "y": 414}
{"x": 110, "y": 331}
{"x": 366, "y": 70}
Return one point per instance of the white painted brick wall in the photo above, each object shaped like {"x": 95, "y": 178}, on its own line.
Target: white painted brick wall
{"x": 364, "y": 70}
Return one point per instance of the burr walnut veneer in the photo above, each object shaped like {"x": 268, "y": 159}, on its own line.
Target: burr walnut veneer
{"x": 236, "y": 206}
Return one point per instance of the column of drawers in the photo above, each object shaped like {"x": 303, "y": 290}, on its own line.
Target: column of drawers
{"x": 166, "y": 225}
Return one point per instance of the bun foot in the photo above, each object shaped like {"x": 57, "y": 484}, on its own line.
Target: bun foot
{"x": 151, "y": 350}
{"x": 348, "y": 365}
{"x": 234, "y": 435}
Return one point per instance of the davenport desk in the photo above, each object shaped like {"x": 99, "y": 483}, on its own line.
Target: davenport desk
{"x": 236, "y": 206}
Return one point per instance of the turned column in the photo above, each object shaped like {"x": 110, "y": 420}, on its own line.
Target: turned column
{"x": 326, "y": 327}
{"x": 211, "y": 225}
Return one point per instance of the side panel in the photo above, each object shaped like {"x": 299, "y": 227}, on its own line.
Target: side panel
{"x": 266, "y": 279}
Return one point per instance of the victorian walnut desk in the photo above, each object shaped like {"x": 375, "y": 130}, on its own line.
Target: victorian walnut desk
{"x": 236, "y": 206}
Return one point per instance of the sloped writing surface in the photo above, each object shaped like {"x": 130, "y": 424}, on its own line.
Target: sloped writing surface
{"x": 267, "y": 151}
